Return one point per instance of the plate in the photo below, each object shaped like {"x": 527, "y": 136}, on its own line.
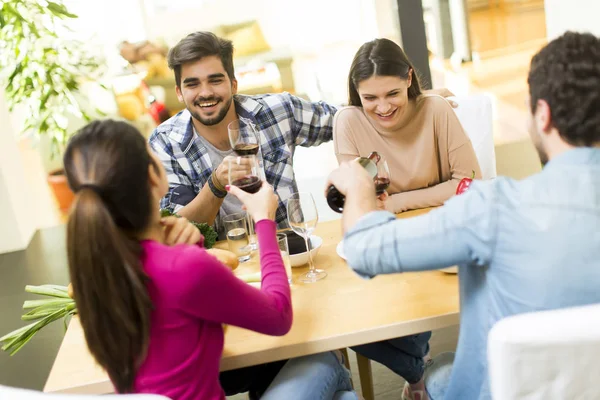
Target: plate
{"x": 300, "y": 259}
{"x": 450, "y": 270}
{"x": 340, "y": 250}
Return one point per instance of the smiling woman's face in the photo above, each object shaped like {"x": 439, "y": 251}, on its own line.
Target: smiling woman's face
{"x": 384, "y": 99}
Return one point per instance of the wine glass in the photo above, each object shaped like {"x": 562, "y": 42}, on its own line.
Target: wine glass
{"x": 303, "y": 217}
{"x": 245, "y": 140}
{"x": 244, "y": 172}
{"x": 382, "y": 180}
{"x": 243, "y": 137}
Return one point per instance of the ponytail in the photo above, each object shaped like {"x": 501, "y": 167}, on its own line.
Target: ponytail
{"x": 109, "y": 287}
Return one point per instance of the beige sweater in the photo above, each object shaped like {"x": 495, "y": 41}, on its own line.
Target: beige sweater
{"x": 427, "y": 156}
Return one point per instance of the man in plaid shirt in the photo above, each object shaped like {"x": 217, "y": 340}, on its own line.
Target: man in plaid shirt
{"x": 194, "y": 144}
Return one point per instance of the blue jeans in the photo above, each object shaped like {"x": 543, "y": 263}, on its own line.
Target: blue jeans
{"x": 316, "y": 377}
{"x": 437, "y": 376}
{"x": 403, "y": 355}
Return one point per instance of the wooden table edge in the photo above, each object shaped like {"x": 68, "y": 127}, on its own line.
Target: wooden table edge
{"x": 229, "y": 362}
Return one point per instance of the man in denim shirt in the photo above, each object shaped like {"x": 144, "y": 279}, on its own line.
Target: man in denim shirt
{"x": 521, "y": 246}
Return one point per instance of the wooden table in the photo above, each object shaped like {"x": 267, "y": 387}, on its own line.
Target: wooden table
{"x": 340, "y": 311}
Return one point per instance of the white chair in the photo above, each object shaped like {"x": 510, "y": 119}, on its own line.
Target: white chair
{"x": 546, "y": 355}
{"x": 475, "y": 113}
{"x": 10, "y": 393}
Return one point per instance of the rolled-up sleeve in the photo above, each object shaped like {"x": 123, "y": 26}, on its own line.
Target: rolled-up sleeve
{"x": 461, "y": 232}
{"x": 181, "y": 189}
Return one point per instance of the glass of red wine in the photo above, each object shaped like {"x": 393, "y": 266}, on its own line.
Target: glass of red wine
{"x": 243, "y": 137}
{"x": 382, "y": 180}
{"x": 244, "y": 172}
{"x": 245, "y": 140}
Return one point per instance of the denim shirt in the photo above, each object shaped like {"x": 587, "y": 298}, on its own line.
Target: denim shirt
{"x": 521, "y": 246}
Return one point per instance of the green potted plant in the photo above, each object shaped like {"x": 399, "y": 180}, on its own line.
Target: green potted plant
{"x": 42, "y": 70}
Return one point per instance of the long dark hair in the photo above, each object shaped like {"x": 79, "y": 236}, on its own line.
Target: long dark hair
{"x": 380, "y": 57}
{"x": 106, "y": 164}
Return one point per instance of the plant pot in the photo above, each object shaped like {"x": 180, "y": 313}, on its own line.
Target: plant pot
{"x": 63, "y": 193}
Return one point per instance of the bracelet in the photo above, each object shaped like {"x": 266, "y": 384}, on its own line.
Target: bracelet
{"x": 214, "y": 189}
{"x": 216, "y": 182}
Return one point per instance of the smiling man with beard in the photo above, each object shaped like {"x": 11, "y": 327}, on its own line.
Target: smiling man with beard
{"x": 194, "y": 144}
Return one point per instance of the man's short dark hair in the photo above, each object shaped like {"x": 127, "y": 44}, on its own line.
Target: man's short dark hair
{"x": 566, "y": 74}
{"x": 198, "y": 45}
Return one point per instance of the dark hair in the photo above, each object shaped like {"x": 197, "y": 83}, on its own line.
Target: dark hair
{"x": 380, "y": 57}
{"x": 198, "y": 45}
{"x": 106, "y": 164}
{"x": 566, "y": 74}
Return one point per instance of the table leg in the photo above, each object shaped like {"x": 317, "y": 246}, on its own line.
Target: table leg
{"x": 366, "y": 377}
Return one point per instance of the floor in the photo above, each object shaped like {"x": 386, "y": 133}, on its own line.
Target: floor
{"x": 505, "y": 42}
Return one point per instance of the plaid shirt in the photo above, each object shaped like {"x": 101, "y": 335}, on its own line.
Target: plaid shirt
{"x": 283, "y": 122}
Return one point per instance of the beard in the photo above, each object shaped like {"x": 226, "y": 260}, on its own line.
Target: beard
{"x": 539, "y": 147}
{"x": 542, "y": 154}
{"x": 211, "y": 120}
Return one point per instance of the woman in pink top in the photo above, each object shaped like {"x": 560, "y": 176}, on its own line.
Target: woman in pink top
{"x": 150, "y": 299}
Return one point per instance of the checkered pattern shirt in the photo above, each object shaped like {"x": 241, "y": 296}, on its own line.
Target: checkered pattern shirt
{"x": 283, "y": 122}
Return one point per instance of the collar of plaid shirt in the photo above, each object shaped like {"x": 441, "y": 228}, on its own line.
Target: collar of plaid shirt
{"x": 278, "y": 119}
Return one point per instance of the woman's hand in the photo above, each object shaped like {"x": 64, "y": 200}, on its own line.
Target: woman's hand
{"x": 260, "y": 205}
{"x": 445, "y": 93}
{"x": 382, "y": 201}
{"x": 180, "y": 231}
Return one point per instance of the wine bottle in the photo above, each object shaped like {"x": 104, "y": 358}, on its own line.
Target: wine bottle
{"x": 335, "y": 199}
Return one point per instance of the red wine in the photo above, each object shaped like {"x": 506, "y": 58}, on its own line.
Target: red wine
{"x": 244, "y": 149}
{"x": 381, "y": 184}
{"x": 250, "y": 184}
{"x": 335, "y": 199}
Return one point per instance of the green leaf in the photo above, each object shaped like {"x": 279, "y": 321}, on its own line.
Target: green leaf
{"x": 46, "y": 302}
{"x": 210, "y": 236}
{"x": 13, "y": 75}
{"x": 49, "y": 290}
{"x": 18, "y": 341}
{"x": 40, "y": 312}
{"x": 15, "y": 333}
{"x": 60, "y": 10}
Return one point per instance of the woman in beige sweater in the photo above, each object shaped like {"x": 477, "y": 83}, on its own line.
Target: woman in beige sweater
{"x": 427, "y": 152}
{"x": 425, "y": 146}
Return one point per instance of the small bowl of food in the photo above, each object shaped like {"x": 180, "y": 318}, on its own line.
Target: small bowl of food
{"x": 300, "y": 259}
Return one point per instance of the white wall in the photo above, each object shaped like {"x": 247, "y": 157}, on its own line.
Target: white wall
{"x": 575, "y": 15}
{"x": 17, "y": 211}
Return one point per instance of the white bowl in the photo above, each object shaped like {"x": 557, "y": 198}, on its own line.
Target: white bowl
{"x": 340, "y": 250}
{"x": 300, "y": 259}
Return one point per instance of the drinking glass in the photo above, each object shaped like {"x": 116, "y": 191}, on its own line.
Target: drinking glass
{"x": 244, "y": 173}
{"x": 243, "y": 137}
{"x": 237, "y": 235}
{"x": 302, "y": 218}
{"x": 382, "y": 180}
